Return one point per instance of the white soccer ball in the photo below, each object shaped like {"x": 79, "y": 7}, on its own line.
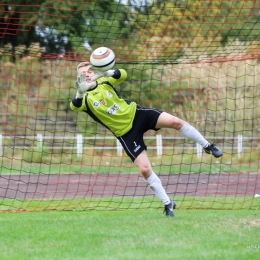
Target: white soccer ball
{"x": 102, "y": 59}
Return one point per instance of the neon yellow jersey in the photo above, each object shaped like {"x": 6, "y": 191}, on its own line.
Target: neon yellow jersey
{"x": 105, "y": 105}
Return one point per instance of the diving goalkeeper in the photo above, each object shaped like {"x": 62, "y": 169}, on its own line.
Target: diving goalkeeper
{"x": 96, "y": 95}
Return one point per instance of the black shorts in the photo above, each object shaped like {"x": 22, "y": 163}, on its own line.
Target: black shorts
{"x": 133, "y": 141}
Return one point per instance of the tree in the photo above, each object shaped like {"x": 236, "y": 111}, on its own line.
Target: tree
{"x": 168, "y": 29}
{"x": 62, "y": 26}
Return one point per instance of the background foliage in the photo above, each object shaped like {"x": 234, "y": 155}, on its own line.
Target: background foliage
{"x": 157, "y": 30}
{"x": 198, "y": 60}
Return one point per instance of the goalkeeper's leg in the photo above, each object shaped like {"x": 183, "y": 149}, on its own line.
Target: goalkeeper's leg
{"x": 166, "y": 120}
{"x": 155, "y": 184}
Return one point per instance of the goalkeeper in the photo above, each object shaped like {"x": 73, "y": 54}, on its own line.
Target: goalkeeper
{"x": 128, "y": 121}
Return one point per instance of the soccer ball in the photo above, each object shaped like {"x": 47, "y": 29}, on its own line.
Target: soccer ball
{"x": 102, "y": 59}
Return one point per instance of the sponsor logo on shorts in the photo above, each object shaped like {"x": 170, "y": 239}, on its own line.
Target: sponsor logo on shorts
{"x": 137, "y": 148}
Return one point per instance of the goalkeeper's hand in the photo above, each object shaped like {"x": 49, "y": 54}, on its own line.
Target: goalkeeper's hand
{"x": 100, "y": 74}
{"x": 83, "y": 85}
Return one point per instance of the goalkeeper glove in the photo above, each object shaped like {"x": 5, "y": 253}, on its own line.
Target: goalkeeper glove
{"x": 83, "y": 85}
{"x": 100, "y": 74}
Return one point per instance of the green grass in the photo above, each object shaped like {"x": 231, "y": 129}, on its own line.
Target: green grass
{"x": 131, "y": 234}
{"x": 127, "y": 203}
{"x": 172, "y": 169}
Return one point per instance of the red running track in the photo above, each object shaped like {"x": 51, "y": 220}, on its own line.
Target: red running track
{"x": 113, "y": 185}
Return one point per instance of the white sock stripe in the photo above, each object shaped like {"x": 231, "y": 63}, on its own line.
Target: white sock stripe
{"x": 192, "y": 133}
{"x": 155, "y": 185}
{"x": 153, "y": 177}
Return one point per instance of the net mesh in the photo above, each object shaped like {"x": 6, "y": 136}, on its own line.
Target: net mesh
{"x": 198, "y": 60}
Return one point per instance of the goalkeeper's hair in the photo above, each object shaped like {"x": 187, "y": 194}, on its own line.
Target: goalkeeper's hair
{"x": 82, "y": 64}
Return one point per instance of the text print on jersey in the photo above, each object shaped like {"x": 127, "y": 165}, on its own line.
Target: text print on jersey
{"x": 113, "y": 109}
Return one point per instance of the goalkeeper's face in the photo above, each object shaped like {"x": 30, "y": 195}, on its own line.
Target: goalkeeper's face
{"x": 85, "y": 70}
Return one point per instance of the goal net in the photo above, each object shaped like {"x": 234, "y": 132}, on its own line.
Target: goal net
{"x": 198, "y": 60}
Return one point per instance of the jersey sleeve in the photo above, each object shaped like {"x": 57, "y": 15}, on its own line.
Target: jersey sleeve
{"x": 118, "y": 78}
{"x": 80, "y": 108}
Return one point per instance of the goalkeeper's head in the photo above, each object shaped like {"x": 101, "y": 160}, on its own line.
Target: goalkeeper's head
{"x": 84, "y": 68}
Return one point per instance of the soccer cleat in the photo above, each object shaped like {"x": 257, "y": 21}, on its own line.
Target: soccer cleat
{"x": 213, "y": 149}
{"x": 168, "y": 209}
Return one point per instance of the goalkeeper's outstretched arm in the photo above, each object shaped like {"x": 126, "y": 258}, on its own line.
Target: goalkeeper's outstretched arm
{"x": 88, "y": 79}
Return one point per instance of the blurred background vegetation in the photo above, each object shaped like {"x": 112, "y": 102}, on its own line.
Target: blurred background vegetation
{"x": 141, "y": 30}
{"x": 198, "y": 60}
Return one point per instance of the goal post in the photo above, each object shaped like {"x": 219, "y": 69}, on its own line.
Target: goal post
{"x": 198, "y": 60}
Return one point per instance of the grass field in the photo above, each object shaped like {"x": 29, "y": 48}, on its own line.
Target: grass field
{"x": 131, "y": 234}
{"x": 173, "y": 169}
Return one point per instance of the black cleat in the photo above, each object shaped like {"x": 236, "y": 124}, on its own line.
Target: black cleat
{"x": 168, "y": 209}
{"x": 213, "y": 149}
